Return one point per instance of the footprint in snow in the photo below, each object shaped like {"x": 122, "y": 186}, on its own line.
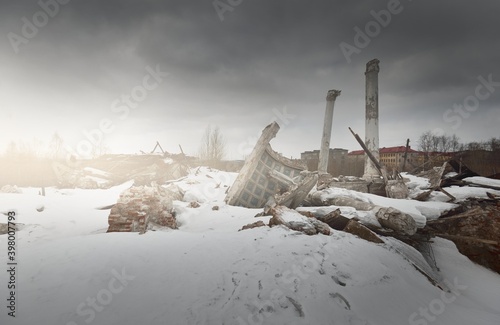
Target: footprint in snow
{"x": 340, "y": 300}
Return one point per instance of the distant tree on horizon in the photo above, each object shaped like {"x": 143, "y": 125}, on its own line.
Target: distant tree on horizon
{"x": 213, "y": 146}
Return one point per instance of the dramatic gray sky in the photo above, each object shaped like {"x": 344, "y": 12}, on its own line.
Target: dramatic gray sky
{"x": 262, "y": 57}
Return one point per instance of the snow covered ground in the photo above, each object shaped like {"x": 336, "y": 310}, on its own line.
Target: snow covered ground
{"x": 70, "y": 271}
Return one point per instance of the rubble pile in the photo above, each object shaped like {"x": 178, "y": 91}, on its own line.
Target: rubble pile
{"x": 110, "y": 170}
{"x": 337, "y": 221}
{"x": 388, "y": 217}
{"x": 347, "y": 182}
{"x": 140, "y": 208}
{"x": 10, "y": 189}
{"x": 474, "y": 227}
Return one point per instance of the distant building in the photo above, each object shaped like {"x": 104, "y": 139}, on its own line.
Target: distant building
{"x": 392, "y": 158}
{"x": 342, "y": 162}
{"x": 337, "y": 161}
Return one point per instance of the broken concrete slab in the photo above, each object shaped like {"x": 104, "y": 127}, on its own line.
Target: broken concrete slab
{"x": 396, "y": 220}
{"x": 297, "y": 192}
{"x": 389, "y": 218}
{"x": 318, "y": 198}
{"x": 296, "y": 221}
{"x": 267, "y": 173}
{"x": 335, "y": 220}
{"x": 355, "y": 228}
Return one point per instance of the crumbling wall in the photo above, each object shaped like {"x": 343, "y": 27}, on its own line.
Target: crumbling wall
{"x": 255, "y": 184}
{"x": 142, "y": 207}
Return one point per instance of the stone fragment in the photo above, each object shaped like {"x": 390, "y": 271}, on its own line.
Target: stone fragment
{"x": 396, "y": 220}
{"x": 296, "y": 221}
{"x": 361, "y": 231}
{"x": 257, "y": 224}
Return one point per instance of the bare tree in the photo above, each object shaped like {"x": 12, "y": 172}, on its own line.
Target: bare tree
{"x": 12, "y": 150}
{"x": 425, "y": 142}
{"x": 213, "y": 146}
{"x": 455, "y": 143}
{"x": 429, "y": 142}
{"x": 494, "y": 144}
{"x": 55, "y": 146}
{"x": 475, "y": 146}
{"x": 99, "y": 149}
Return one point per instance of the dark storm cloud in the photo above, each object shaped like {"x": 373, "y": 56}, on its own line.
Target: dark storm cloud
{"x": 264, "y": 55}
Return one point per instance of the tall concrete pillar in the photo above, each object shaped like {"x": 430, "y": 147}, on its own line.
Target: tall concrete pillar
{"x": 327, "y": 131}
{"x": 371, "y": 118}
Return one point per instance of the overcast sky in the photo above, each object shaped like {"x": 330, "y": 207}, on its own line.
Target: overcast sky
{"x": 240, "y": 64}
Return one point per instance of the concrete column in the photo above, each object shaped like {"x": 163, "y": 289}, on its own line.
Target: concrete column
{"x": 327, "y": 131}
{"x": 371, "y": 118}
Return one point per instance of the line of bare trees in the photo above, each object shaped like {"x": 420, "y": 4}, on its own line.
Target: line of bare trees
{"x": 431, "y": 142}
{"x": 53, "y": 150}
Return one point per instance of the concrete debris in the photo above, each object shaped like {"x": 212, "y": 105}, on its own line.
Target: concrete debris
{"x": 140, "y": 208}
{"x": 396, "y": 220}
{"x": 297, "y": 192}
{"x": 257, "y": 224}
{"x": 194, "y": 204}
{"x": 389, "y": 218}
{"x": 317, "y": 198}
{"x": 10, "y": 189}
{"x": 355, "y": 228}
{"x": 296, "y": 221}
{"x": 110, "y": 170}
{"x": 435, "y": 176}
{"x": 337, "y": 221}
{"x": 267, "y": 174}
{"x": 348, "y": 182}
{"x": 310, "y": 224}
{"x": 4, "y": 228}
{"x": 175, "y": 192}
{"x": 397, "y": 189}
{"x": 474, "y": 227}
{"x": 394, "y": 187}
{"x": 438, "y": 182}
{"x": 68, "y": 177}
{"x": 334, "y": 219}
